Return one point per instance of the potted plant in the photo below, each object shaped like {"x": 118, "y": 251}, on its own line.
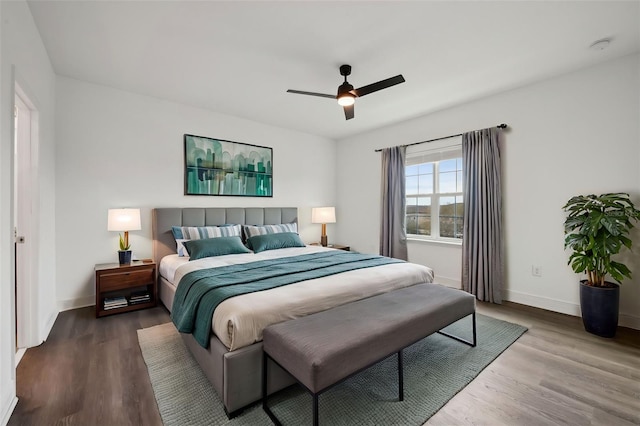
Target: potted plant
{"x": 124, "y": 254}
{"x": 596, "y": 229}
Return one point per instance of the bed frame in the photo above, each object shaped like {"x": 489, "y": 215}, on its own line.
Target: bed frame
{"x": 235, "y": 375}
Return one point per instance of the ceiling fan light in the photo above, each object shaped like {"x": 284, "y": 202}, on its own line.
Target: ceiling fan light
{"x": 346, "y": 99}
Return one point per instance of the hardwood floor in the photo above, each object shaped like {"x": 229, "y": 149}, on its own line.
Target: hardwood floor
{"x": 90, "y": 372}
{"x": 555, "y": 374}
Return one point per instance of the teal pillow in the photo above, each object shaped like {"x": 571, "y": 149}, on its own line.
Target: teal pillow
{"x": 275, "y": 241}
{"x": 209, "y": 247}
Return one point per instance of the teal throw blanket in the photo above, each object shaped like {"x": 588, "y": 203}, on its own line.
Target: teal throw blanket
{"x": 200, "y": 292}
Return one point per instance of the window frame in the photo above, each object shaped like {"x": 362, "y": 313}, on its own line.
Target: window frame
{"x": 433, "y": 156}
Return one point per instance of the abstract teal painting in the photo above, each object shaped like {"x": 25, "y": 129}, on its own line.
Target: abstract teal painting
{"x": 219, "y": 167}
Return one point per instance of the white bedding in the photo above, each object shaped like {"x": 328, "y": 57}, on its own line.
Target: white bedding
{"x": 239, "y": 321}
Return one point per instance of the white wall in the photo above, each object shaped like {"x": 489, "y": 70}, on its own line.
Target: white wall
{"x": 573, "y": 134}
{"x": 23, "y": 58}
{"x": 119, "y": 149}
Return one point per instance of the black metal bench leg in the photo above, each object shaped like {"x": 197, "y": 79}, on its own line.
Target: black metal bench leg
{"x": 400, "y": 377}
{"x": 315, "y": 409}
{"x": 474, "y": 330}
{"x": 265, "y": 407}
{"x": 466, "y": 342}
{"x": 264, "y": 381}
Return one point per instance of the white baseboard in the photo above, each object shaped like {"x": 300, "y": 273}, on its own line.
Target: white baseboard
{"x": 8, "y": 403}
{"x": 631, "y": 321}
{"x": 449, "y": 282}
{"x": 48, "y": 325}
{"x": 547, "y": 303}
{"x": 81, "y": 302}
{"x": 19, "y": 354}
{"x": 624, "y": 320}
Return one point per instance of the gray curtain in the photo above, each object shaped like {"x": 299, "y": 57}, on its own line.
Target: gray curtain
{"x": 393, "y": 237}
{"x": 482, "y": 252}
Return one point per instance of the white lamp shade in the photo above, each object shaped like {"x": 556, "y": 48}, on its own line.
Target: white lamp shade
{"x": 124, "y": 220}
{"x": 323, "y": 215}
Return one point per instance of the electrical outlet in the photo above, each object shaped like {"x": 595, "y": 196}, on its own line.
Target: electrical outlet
{"x": 536, "y": 270}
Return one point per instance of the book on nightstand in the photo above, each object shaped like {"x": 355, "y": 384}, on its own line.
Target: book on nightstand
{"x": 115, "y": 302}
{"x": 137, "y": 297}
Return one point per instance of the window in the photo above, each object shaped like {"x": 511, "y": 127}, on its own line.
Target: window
{"x": 435, "y": 205}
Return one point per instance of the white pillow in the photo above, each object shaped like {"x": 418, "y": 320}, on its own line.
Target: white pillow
{"x": 252, "y": 230}
{"x": 180, "y": 248}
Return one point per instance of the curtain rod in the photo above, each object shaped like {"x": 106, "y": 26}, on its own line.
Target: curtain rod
{"x": 499, "y": 126}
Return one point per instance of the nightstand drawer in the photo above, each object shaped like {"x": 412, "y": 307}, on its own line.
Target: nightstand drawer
{"x": 115, "y": 281}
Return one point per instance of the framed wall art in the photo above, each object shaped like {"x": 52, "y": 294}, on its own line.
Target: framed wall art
{"x": 219, "y": 167}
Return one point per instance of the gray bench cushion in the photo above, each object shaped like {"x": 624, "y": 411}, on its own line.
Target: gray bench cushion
{"x": 324, "y": 348}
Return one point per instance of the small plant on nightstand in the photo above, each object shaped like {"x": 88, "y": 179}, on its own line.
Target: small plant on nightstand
{"x": 124, "y": 254}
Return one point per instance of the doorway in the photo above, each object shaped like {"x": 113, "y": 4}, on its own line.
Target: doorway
{"x": 25, "y": 139}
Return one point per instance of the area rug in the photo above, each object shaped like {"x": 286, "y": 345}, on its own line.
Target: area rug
{"x": 435, "y": 369}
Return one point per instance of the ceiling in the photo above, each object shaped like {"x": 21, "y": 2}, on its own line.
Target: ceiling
{"x": 239, "y": 57}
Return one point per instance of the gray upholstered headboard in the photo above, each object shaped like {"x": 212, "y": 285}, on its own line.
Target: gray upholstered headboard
{"x": 165, "y": 218}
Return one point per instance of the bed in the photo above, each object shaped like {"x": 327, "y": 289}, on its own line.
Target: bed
{"x": 232, "y": 360}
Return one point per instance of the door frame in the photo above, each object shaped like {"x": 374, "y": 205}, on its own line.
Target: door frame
{"x": 27, "y": 300}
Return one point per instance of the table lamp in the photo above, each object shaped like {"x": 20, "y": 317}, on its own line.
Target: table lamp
{"x": 124, "y": 220}
{"x": 323, "y": 215}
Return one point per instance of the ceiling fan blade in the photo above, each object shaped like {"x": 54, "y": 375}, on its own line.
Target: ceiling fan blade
{"x": 374, "y": 87}
{"x": 322, "y": 95}
{"x": 349, "y": 111}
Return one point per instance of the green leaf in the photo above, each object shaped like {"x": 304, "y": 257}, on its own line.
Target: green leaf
{"x": 626, "y": 241}
{"x": 579, "y": 263}
{"x": 576, "y": 241}
{"x": 122, "y": 245}
{"x": 618, "y": 269}
{"x": 611, "y": 224}
{"x": 575, "y": 222}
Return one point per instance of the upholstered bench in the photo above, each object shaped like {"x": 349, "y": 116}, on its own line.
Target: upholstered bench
{"x": 323, "y": 349}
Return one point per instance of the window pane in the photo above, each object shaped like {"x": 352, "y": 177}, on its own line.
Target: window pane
{"x": 425, "y": 184}
{"x": 459, "y": 213}
{"x": 412, "y": 185}
{"x": 424, "y": 205}
{"x": 447, "y": 182}
{"x": 447, "y": 216}
{"x": 418, "y": 217}
{"x": 458, "y": 232}
{"x": 459, "y": 163}
{"x": 424, "y": 216}
{"x": 459, "y": 206}
{"x": 411, "y": 170}
{"x": 448, "y": 165}
{"x": 411, "y": 218}
{"x": 425, "y": 168}
{"x": 412, "y": 224}
{"x": 451, "y": 213}
{"x": 424, "y": 225}
{"x": 459, "y": 181}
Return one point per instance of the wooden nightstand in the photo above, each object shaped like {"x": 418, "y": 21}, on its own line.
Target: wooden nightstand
{"x": 124, "y": 288}
{"x": 334, "y": 246}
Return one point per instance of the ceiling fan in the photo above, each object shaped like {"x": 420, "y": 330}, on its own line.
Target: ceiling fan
{"x": 347, "y": 94}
